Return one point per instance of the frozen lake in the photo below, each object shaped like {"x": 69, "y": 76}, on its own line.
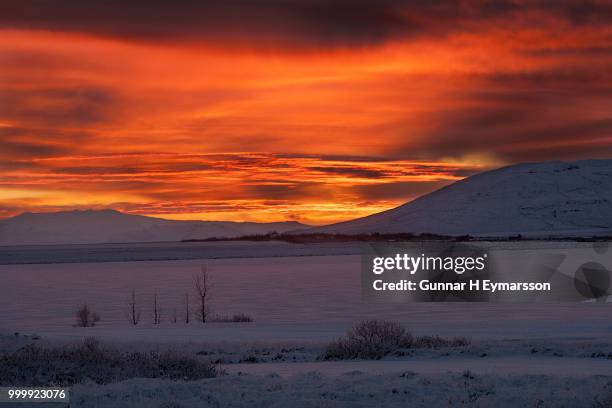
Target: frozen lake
{"x": 289, "y": 289}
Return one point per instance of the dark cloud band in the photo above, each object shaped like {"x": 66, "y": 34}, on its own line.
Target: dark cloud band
{"x": 284, "y": 23}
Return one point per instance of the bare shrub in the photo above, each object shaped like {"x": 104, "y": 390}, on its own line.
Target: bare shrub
{"x": 236, "y": 318}
{"x": 156, "y": 310}
{"x": 187, "y": 312}
{"x": 85, "y": 317}
{"x": 201, "y": 284}
{"x": 374, "y": 339}
{"x": 82, "y": 316}
{"x": 64, "y": 366}
{"x": 369, "y": 339}
{"x": 133, "y": 311}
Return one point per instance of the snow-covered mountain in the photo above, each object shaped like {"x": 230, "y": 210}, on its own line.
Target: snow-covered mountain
{"x": 541, "y": 199}
{"x": 91, "y": 226}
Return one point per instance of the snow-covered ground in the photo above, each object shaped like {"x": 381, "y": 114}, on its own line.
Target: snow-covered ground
{"x": 492, "y": 373}
{"x": 524, "y": 354}
{"x": 510, "y": 365}
{"x": 553, "y": 370}
{"x": 282, "y": 289}
{"x": 351, "y": 389}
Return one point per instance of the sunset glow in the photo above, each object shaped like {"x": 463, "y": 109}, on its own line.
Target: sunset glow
{"x": 273, "y": 120}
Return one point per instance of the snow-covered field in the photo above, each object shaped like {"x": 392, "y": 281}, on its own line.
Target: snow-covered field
{"x": 352, "y": 389}
{"x": 281, "y": 288}
{"x": 524, "y": 354}
{"x": 544, "y": 372}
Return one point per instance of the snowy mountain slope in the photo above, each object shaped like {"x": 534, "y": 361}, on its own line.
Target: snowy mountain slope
{"x": 550, "y": 198}
{"x": 101, "y": 226}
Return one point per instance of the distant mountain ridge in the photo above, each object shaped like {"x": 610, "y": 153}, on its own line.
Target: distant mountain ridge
{"x": 538, "y": 199}
{"x": 533, "y": 199}
{"x": 103, "y": 226}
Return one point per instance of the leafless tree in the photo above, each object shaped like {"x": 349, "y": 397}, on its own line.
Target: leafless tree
{"x": 133, "y": 311}
{"x": 156, "y": 310}
{"x": 85, "y": 317}
{"x": 173, "y": 317}
{"x": 201, "y": 284}
{"x": 187, "y": 313}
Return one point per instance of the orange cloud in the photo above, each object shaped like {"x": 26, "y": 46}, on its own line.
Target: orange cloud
{"x": 234, "y": 186}
{"x": 212, "y": 125}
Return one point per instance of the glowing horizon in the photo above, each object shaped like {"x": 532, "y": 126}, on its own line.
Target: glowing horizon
{"x": 307, "y": 111}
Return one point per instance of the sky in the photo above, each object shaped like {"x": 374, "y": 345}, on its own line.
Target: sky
{"x": 271, "y": 110}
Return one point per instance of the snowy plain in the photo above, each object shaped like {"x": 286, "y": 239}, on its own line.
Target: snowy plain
{"x": 523, "y": 354}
